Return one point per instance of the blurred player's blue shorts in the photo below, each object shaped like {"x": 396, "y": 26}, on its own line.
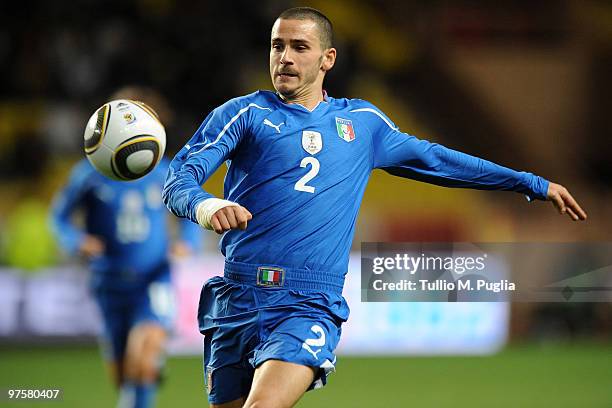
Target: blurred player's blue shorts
{"x": 248, "y": 318}
{"x": 123, "y": 309}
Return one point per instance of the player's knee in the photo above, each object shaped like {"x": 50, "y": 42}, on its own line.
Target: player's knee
{"x": 131, "y": 368}
{"x": 149, "y": 358}
{"x": 149, "y": 369}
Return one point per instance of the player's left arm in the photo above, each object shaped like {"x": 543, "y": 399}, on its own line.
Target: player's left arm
{"x": 65, "y": 204}
{"x": 404, "y": 155}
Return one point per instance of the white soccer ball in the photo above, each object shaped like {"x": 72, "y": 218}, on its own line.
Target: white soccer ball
{"x": 124, "y": 139}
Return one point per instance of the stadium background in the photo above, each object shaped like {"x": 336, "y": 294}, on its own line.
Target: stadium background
{"x": 524, "y": 84}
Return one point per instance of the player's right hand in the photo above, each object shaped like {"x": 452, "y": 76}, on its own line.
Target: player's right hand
{"x": 230, "y": 217}
{"x": 92, "y": 246}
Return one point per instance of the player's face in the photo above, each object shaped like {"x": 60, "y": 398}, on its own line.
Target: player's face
{"x": 297, "y": 61}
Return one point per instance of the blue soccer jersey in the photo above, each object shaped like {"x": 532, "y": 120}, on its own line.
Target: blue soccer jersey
{"x": 302, "y": 175}
{"x": 128, "y": 216}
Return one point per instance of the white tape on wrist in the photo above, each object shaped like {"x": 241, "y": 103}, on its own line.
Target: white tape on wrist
{"x": 207, "y": 208}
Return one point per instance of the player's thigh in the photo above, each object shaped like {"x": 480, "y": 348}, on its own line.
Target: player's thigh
{"x": 279, "y": 384}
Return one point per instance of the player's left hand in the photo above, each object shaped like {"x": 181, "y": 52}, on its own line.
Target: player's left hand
{"x": 564, "y": 202}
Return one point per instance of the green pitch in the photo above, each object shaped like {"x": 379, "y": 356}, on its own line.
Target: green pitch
{"x": 530, "y": 376}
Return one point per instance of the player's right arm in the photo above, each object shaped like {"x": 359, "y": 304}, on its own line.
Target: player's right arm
{"x": 65, "y": 203}
{"x": 213, "y": 143}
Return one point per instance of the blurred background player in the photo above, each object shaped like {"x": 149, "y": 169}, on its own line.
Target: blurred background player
{"x": 125, "y": 236}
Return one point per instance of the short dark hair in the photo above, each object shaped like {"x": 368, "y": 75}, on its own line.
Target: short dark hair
{"x": 326, "y": 30}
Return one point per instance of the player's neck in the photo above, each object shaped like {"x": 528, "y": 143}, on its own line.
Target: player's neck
{"x": 309, "y": 100}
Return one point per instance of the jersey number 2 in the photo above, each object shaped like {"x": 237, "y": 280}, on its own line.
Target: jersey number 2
{"x": 314, "y": 170}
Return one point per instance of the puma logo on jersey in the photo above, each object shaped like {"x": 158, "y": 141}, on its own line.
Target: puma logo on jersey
{"x": 311, "y": 351}
{"x": 272, "y": 125}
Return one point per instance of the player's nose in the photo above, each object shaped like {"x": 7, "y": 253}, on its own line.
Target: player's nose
{"x": 286, "y": 58}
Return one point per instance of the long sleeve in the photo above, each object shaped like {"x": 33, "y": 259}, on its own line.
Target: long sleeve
{"x": 212, "y": 144}
{"x": 65, "y": 204}
{"x": 406, "y": 156}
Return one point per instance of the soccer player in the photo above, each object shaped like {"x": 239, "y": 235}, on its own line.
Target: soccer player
{"x": 298, "y": 163}
{"x": 126, "y": 239}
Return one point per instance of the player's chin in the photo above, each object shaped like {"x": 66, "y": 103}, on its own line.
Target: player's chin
{"x": 285, "y": 89}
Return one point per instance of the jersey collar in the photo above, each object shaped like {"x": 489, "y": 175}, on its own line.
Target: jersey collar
{"x": 301, "y": 107}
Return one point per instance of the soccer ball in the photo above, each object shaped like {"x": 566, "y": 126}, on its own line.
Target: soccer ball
{"x": 124, "y": 139}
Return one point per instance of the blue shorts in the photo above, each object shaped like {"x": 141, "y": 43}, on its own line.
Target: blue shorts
{"x": 124, "y": 309}
{"x": 245, "y": 324}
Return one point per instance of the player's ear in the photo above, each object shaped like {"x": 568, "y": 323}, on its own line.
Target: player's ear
{"x": 329, "y": 59}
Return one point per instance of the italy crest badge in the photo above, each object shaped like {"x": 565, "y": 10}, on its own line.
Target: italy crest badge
{"x": 345, "y": 129}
